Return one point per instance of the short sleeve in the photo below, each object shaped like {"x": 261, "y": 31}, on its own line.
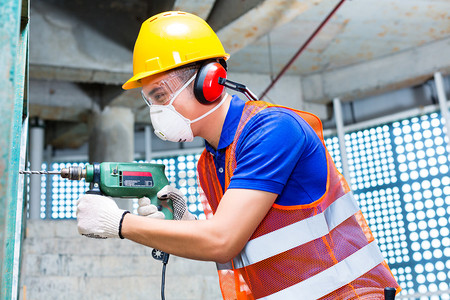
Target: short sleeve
{"x": 268, "y": 150}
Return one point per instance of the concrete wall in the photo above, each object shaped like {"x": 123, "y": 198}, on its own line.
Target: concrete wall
{"x": 58, "y": 263}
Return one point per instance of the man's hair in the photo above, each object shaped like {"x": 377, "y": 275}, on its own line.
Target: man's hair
{"x": 187, "y": 71}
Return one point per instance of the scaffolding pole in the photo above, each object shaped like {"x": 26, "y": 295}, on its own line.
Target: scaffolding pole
{"x": 148, "y": 143}
{"x": 337, "y": 106}
{"x": 13, "y": 138}
{"x": 37, "y": 136}
{"x": 439, "y": 81}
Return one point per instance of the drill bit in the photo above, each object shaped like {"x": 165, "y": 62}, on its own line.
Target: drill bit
{"x": 42, "y": 172}
{"x": 72, "y": 173}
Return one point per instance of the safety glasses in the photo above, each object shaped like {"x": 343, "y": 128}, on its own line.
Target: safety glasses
{"x": 163, "y": 91}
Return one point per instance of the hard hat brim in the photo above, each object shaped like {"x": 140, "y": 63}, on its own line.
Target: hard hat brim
{"x": 135, "y": 81}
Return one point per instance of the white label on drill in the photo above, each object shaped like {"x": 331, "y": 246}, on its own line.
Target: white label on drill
{"x": 137, "y": 179}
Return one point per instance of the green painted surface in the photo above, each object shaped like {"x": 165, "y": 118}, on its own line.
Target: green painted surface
{"x": 13, "y": 61}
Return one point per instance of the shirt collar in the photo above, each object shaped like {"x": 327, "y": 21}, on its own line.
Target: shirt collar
{"x": 230, "y": 125}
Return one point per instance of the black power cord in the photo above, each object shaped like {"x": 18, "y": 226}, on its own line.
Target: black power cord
{"x": 163, "y": 279}
{"x": 164, "y": 257}
{"x": 389, "y": 293}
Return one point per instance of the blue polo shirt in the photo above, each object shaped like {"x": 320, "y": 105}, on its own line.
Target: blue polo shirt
{"x": 277, "y": 152}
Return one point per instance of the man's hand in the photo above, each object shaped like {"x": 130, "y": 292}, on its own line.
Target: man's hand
{"x": 98, "y": 216}
{"x": 147, "y": 209}
{"x": 180, "y": 211}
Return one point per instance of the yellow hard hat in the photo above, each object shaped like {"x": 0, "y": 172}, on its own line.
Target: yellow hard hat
{"x": 169, "y": 40}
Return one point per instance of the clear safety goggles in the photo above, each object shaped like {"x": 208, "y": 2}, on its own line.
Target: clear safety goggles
{"x": 163, "y": 91}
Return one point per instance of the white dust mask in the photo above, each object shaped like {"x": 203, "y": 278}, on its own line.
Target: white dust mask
{"x": 170, "y": 125}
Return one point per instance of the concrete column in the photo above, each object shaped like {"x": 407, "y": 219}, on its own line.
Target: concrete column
{"x": 111, "y": 139}
{"x": 37, "y": 133}
{"x": 111, "y": 135}
{"x": 341, "y": 136}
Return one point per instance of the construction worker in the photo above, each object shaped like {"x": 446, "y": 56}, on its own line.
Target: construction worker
{"x": 284, "y": 224}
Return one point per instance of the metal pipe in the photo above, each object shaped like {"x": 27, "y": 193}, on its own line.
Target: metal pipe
{"x": 341, "y": 136}
{"x": 148, "y": 143}
{"x": 36, "y": 159}
{"x": 48, "y": 158}
{"x": 303, "y": 47}
{"x": 439, "y": 81}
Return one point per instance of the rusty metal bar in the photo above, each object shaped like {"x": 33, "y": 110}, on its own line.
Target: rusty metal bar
{"x": 303, "y": 47}
{"x": 13, "y": 124}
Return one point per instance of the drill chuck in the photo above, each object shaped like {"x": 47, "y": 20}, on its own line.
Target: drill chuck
{"x": 73, "y": 173}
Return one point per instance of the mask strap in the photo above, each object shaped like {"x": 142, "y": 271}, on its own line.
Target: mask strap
{"x": 211, "y": 111}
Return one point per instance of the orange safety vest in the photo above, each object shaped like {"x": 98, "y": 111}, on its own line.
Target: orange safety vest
{"x": 322, "y": 250}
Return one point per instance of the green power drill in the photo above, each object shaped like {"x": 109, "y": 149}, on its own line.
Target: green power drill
{"x": 124, "y": 180}
{"x": 121, "y": 180}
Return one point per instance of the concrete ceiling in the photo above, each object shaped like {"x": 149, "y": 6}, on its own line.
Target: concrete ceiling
{"x": 361, "y": 31}
{"x": 84, "y": 47}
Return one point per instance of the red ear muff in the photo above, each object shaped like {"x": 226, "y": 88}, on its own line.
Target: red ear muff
{"x": 206, "y": 86}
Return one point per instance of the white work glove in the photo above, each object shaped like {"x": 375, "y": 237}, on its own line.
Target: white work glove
{"x": 147, "y": 209}
{"x": 180, "y": 211}
{"x": 99, "y": 217}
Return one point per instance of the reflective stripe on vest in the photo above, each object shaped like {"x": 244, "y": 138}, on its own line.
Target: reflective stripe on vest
{"x": 288, "y": 237}
{"x": 334, "y": 277}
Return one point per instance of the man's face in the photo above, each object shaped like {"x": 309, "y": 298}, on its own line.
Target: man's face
{"x": 167, "y": 88}
{"x": 160, "y": 90}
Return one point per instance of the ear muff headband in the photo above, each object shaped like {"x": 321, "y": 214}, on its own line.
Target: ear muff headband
{"x": 206, "y": 86}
